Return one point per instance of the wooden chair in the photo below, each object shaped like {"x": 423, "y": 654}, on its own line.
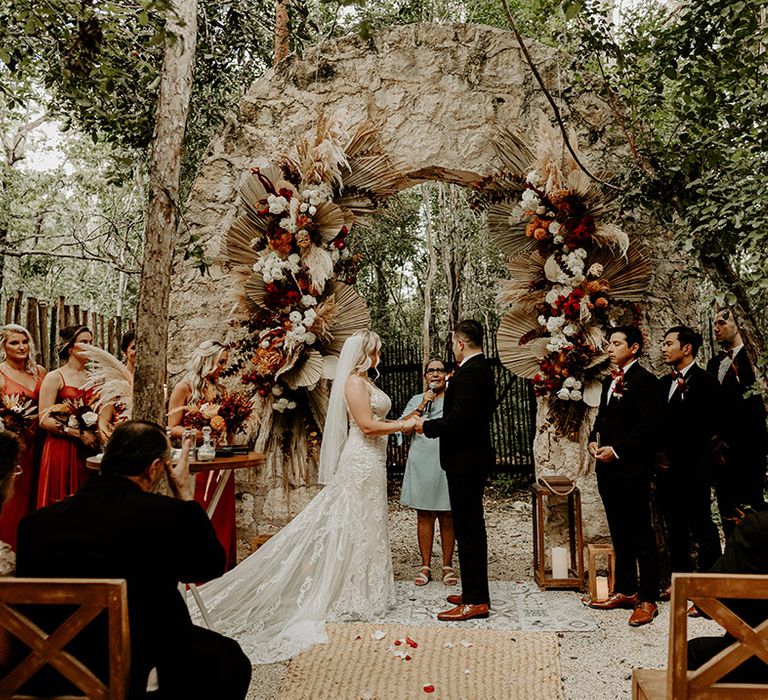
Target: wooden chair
{"x": 706, "y": 591}
{"x": 93, "y": 597}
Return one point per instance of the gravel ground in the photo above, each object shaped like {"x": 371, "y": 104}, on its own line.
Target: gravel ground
{"x": 595, "y": 665}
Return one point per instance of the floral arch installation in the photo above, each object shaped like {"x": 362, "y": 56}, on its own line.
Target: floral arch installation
{"x": 572, "y": 274}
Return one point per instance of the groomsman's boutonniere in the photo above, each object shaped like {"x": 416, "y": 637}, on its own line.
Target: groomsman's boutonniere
{"x": 618, "y": 385}
{"x": 679, "y": 378}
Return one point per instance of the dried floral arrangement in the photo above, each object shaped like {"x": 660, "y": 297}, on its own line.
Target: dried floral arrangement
{"x": 291, "y": 262}
{"x": 573, "y": 272}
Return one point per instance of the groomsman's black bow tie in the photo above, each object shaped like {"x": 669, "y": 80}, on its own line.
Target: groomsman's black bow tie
{"x": 676, "y": 376}
{"x": 725, "y": 353}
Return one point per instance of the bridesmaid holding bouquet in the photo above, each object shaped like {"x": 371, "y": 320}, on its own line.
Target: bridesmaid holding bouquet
{"x": 198, "y": 395}
{"x": 67, "y": 416}
{"x": 20, "y": 380}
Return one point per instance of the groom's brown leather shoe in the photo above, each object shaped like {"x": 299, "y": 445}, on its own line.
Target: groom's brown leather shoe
{"x": 454, "y": 599}
{"x": 464, "y": 612}
{"x": 615, "y": 600}
{"x": 643, "y": 614}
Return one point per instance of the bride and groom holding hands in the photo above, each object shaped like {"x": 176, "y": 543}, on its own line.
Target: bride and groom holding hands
{"x": 333, "y": 562}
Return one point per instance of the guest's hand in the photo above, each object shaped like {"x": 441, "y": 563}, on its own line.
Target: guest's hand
{"x": 593, "y": 448}
{"x": 604, "y": 454}
{"x": 419, "y": 426}
{"x": 181, "y": 485}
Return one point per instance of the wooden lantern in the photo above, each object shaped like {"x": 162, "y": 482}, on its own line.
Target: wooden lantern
{"x": 562, "y": 489}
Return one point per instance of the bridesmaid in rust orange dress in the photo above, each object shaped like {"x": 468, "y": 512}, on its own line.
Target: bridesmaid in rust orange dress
{"x": 20, "y": 379}
{"x": 62, "y": 465}
{"x": 199, "y": 386}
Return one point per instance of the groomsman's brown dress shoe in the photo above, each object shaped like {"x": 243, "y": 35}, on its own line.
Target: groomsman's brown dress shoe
{"x": 643, "y": 614}
{"x": 454, "y": 599}
{"x": 615, "y": 600}
{"x": 464, "y": 612}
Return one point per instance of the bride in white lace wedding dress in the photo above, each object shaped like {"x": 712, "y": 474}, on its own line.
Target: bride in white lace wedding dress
{"x": 332, "y": 561}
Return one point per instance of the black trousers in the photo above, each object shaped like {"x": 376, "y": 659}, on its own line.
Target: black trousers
{"x": 199, "y": 665}
{"x": 685, "y": 504}
{"x": 627, "y": 503}
{"x": 702, "y": 649}
{"x": 466, "y": 494}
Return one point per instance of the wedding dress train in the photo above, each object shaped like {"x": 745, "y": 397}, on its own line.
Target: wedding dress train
{"x": 332, "y": 562}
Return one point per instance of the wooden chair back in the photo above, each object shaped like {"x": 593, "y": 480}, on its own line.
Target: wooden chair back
{"x": 91, "y": 598}
{"x": 710, "y": 593}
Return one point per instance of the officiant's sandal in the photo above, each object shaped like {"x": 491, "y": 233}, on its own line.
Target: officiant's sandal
{"x": 424, "y": 576}
{"x": 449, "y": 576}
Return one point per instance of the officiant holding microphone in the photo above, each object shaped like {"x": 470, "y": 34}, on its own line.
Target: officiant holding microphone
{"x": 425, "y": 487}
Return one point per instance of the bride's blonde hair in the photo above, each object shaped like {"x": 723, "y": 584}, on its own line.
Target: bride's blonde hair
{"x": 371, "y": 344}
{"x": 202, "y": 363}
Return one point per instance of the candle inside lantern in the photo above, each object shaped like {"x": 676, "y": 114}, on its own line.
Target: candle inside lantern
{"x": 602, "y": 588}
{"x": 559, "y": 562}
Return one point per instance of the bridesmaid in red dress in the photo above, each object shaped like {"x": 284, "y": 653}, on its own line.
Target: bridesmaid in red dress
{"x": 21, "y": 375}
{"x": 201, "y": 385}
{"x": 62, "y": 466}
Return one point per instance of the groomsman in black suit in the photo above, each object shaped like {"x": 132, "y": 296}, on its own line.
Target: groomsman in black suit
{"x": 466, "y": 455}
{"x": 740, "y": 481}
{"x": 622, "y": 442}
{"x": 691, "y": 443}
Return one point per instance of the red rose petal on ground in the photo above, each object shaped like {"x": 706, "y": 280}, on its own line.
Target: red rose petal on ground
{"x": 429, "y": 688}
{"x": 397, "y": 642}
{"x": 411, "y": 643}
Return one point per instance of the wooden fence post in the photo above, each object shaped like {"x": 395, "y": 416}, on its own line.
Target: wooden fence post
{"x": 9, "y": 310}
{"x": 17, "y": 307}
{"x": 111, "y": 337}
{"x": 32, "y": 325}
{"x": 45, "y": 357}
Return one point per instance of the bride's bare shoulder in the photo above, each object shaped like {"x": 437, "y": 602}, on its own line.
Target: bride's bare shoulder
{"x": 357, "y": 385}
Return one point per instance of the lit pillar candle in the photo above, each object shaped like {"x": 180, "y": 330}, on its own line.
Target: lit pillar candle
{"x": 559, "y": 562}
{"x": 602, "y": 587}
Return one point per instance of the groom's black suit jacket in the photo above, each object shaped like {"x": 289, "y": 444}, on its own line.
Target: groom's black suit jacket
{"x": 465, "y": 428}
{"x": 628, "y": 424}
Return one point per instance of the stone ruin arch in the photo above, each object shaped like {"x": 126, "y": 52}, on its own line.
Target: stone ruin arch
{"x": 439, "y": 93}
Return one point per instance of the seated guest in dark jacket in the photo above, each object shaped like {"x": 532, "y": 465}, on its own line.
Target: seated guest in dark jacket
{"x": 115, "y": 528}
{"x": 746, "y": 552}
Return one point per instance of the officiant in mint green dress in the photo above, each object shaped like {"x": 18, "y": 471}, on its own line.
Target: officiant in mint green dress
{"x": 425, "y": 487}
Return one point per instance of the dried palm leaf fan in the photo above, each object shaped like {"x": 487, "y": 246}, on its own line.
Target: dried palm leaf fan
{"x": 507, "y": 233}
{"x": 516, "y": 290}
{"x": 629, "y": 277}
{"x": 350, "y": 315}
{"x": 318, "y": 401}
{"x": 511, "y": 150}
{"x": 255, "y": 290}
{"x": 306, "y": 372}
{"x": 523, "y": 360}
{"x": 330, "y": 218}
{"x": 238, "y": 243}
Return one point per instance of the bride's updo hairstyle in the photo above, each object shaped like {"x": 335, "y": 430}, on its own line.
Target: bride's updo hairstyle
{"x": 202, "y": 364}
{"x": 371, "y": 344}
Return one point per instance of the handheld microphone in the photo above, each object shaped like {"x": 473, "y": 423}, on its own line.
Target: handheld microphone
{"x": 428, "y": 405}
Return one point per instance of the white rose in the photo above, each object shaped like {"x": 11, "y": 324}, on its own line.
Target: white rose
{"x": 542, "y": 321}
{"x": 277, "y": 205}
{"x": 558, "y": 239}
{"x": 577, "y": 384}
{"x": 308, "y": 300}
{"x": 575, "y": 395}
{"x": 291, "y": 405}
{"x": 277, "y": 390}
{"x": 312, "y": 211}
{"x": 303, "y": 207}
{"x": 90, "y": 418}
{"x": 564, "y": 394}
{"x": 554, "y": 228}
{"x": 569, "y": 383}
{"x": 264, "y": 344}
{"x": 295, "y": 317}
{"x": 540, "y": 210}
{"x": 532, "y": 177}
{"x": 294, "y": 258}
{"x": 72, "y": 422}
{"x": 309, "y": 338}
{"x": 595, "y": 270}
{"x": 569, "y": 330}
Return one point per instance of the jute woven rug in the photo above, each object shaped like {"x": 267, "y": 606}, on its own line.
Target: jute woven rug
{"x": 361, "y": 663}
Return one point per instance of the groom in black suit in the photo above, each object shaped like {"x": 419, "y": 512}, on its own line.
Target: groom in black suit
{"x": 622, "y": 442}
{"x": 466, "y": 455}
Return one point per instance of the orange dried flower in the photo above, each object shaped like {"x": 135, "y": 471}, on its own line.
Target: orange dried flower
{"x": 540, "y": 234}
{"x": 601, "y": 303}
{"x": 218, "y": 424}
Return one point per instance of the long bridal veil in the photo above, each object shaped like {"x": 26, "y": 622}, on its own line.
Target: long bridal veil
{"x": 336, "y": 422}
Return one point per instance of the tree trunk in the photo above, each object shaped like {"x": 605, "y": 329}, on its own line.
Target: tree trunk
{"x": 426, "y": 194}
{"x": 282, "y": 35}
{"x": 162, "y": 212}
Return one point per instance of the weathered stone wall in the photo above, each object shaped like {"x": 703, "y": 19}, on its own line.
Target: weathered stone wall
{"x": 440, "y": 93}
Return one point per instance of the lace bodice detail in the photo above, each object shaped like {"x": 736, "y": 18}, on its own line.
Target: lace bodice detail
{"x": 331, "y": 562}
